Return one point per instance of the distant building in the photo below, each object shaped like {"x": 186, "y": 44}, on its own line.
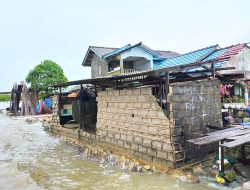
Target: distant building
{"x": 128, "y": 59}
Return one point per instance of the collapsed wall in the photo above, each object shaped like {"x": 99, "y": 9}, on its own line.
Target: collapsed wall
{"x": 130, "y": 122}
{"x": 134, "y": 120}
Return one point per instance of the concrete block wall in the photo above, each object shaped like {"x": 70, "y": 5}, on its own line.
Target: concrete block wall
{"x": 194, "y": 105}
{"x": 130, "y": 122}
{"x": 133, "y": 119}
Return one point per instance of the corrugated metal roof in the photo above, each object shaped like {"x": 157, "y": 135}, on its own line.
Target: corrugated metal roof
{"x": 226, "y": 52}
{"x": 187, "y": 58}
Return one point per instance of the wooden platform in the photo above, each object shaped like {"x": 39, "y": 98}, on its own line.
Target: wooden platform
{"x": 232, "y": 137}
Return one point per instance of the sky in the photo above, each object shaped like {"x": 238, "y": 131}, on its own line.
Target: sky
{"x": 61, "y": 30}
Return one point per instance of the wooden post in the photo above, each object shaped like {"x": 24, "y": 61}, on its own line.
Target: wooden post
{"x": 95, "y": 91}
{"x": 213, "y": 70}
{"x": 160, "y": 91}
{"x": 243, "y": 153}
{"x": 246, "y": 94}
{"x": 59, "y": 101}
{"x": 221, "y": 157}
{"x": 121, "y": 64}
{"x": 167, "y": 92}
{"x": 116, "y": 84}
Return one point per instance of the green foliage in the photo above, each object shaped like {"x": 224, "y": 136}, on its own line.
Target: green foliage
{"x": 45, "y": 74}
{"x": 5, "y": 97}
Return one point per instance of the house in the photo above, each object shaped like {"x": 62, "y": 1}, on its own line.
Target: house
{"x": 138, "y": 58}
{"x": 147, "y": 104}
{"x": 128, "y": 59}
{"x": 237, "y": 56}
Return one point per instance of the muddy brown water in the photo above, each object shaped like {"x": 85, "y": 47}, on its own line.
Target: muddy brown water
{"x": 30, "y": 158}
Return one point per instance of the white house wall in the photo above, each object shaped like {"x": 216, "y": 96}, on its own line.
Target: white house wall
{"x": 138, "y": 52}
{"x": 241, "y": 62}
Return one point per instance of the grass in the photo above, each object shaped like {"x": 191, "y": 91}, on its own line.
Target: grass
{"x": 5, "y": 97}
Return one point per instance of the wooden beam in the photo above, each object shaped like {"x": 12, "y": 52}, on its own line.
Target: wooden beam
{"x": 221, "y": 157}
{"x": 160, "y": 91}
{"x": 243, "y": 154}
{"x": 167, "y": 92}
{"x": 213, "y": 70}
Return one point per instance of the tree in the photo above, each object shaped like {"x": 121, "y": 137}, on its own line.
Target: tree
{"x": 44, "y": 75}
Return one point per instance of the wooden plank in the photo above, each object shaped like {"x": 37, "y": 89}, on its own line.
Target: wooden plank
{"x": 223, "y": 131}
{"x": 239, "y": 137}
{"x": 211, "y": 135}
{"x": 236, "y": 142}
{"x": 214, "y": 138}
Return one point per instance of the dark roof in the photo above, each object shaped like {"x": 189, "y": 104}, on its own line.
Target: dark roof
{"x": 100, "y": 51}
{"x": 167, "y": 54}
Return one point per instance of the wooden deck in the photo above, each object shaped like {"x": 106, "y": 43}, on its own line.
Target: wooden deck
{"x": 227, "y": 138}
{"x": 232, "y": 137}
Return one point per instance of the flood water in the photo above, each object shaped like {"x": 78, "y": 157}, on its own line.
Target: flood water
{"x": 30, "y": 158}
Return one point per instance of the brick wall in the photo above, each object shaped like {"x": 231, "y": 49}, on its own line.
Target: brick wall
{"x": 194, "y": 105}
{"x": 134, "y": 120}
{"x": 131, "y": 122}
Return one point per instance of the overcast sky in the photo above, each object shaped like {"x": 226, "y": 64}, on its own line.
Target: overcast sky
{"x": 62, "y": 30}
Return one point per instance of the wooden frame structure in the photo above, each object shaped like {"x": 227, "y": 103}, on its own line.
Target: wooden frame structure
{"x": 227, "y": 138}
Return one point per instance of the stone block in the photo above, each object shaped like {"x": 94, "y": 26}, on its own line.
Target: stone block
{"x": 155, "y": 106}
{"x": 134, "y": 99}
{"x": 142, "y": 149}
{"x": 146, "y": 105}
{"x": 127, "y": 145}
{"x": 156, "y": 121}
{"x": 157, "y": 145}
{"x": 136, "y": 91}
{"x": 138, "y": 105}
{"x": 161, "y": 154}
{"x": 144, "y": 112}
{"x": 147, "y": 142}
{"x": 146, "y": 120}
{"x": 146, "y": 91}
{"x": 128, "y": 125}
{"x": 151, "y": 151}
{"x": 127, "y": 98}
{"x": 147, "y": 158}
{"x": 144, "y": 128}
{"x": 120, "y": 143}
{"x": 153, "y": 129}
{"x": 137, "y": 119}
{"x": 167, "y": 147}
{"x": 117, "y": 136}
{"x": 138, "y": 140}
{"x": 134, "y": 146}
{"x": 122, "y": 92}
{"x": 123, "y": 137}
{"x": 170, "y": 156}
{"x": 116, "y": 93}
{"x": 150, "y": 98}
{"x": 130, "y": 138}
{"x": 153, "y": 113}
{"x": 122, "y": 105}
{"x": 129, "y": 92}
{"x": 142, "y": 98}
